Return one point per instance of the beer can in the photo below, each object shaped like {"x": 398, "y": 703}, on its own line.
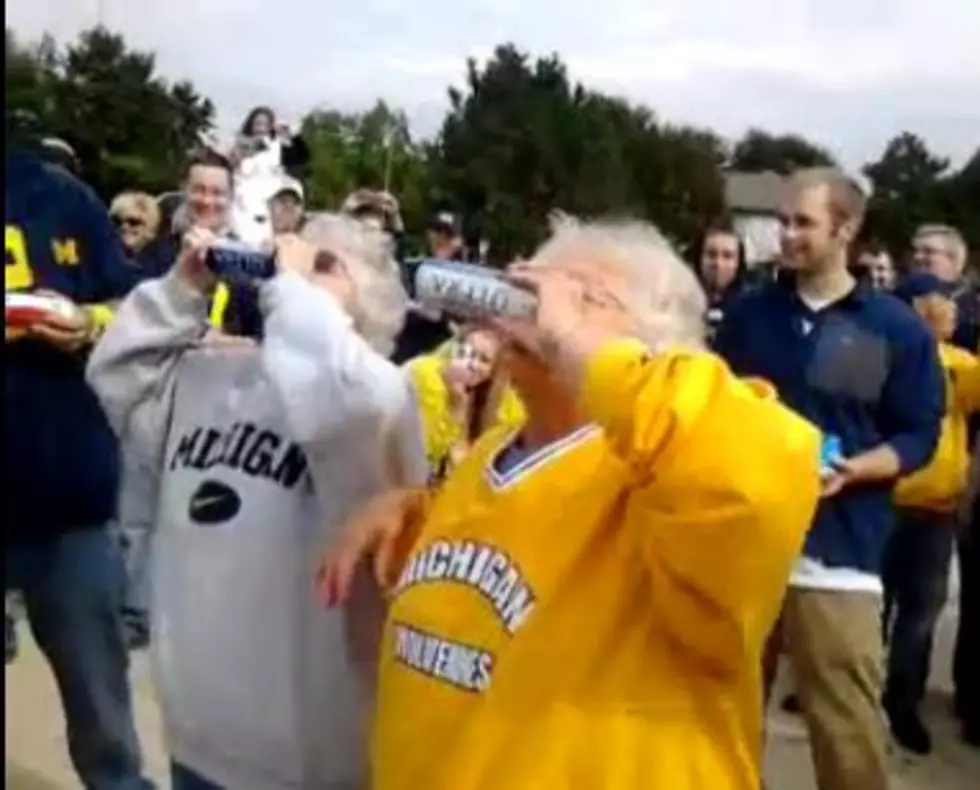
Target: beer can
{"x": 468, "y": 291}
{"x": 232, "y": 260}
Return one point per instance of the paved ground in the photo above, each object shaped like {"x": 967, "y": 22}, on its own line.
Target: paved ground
{"x": 36, "y": 757}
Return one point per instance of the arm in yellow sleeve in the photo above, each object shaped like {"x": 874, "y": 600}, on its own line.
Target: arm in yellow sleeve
{"x": 439, "y": 431}
{"x": 100, "y": 315}
{"x": 726, "y": 484}
{"x": 966, "y": 382}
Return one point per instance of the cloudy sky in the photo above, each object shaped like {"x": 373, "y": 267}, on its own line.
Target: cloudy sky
{"x": 845, "y": 72}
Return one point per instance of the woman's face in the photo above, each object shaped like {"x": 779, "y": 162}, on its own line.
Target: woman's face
{"x": 719, "y": 259}
{"x": 262, "y": 125}
{"x": 476, "y": 354}
{"x": 134, "y": 230}
{"x": 208, "y": 192}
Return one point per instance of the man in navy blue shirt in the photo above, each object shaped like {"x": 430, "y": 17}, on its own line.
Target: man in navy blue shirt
{"x": 862, "y": 367}
{"x": 61, "y": 462}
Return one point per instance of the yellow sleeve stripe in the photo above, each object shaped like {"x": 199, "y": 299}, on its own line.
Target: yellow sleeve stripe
{"x": 219, "y": 305}
{"x": 101, "y": 314}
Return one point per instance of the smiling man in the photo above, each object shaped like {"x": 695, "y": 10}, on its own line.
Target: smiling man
{"x": 858, "y": 364}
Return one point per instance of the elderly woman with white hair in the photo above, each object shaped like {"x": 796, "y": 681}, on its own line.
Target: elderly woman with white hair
{"x": 584, "y": 602}
{"x": 259, "y": 451}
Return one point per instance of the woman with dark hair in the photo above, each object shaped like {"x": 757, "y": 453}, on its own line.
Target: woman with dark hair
{"x": 261, "y": 129}
{"x": 721, "y": 268}
{"x": 265, "y": 152}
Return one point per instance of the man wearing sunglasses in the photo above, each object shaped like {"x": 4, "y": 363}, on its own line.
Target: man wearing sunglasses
{"x": 136, "y": 216}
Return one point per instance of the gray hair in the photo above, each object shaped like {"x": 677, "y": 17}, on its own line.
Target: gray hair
{"x": 952, "y": 238}
{"x": 380, "y": 301}
{"x": 666, "y": 302}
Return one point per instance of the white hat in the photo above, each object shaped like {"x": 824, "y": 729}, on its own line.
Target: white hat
{"x": 291, "y": 186}
{"x": 57, "y": 144}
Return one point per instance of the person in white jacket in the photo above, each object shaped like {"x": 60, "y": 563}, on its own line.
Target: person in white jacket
{"x": 260, "y": 450}
{"x": 265, "y": 152}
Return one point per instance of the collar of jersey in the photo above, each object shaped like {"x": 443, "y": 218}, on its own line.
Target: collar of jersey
{"x": 535, "y": 460}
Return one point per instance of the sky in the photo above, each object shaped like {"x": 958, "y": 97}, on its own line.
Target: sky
{"x": 846, "y": 73}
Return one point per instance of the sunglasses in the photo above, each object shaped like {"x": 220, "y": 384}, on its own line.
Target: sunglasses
{"x": 128, "y": 222}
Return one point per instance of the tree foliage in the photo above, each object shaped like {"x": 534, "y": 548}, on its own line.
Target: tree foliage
{"x": 128, "y": 125}
{"x": 759, "y": 151}
{"x": 520, "y": 139}
{"x": 911, "y": 187}
{"x": 373, "y": 149}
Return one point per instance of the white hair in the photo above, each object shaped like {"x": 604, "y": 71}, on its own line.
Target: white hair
{"x": 380, "y": 301}
{"x": 665, "y": 301}
{"x": 952, "y": 238}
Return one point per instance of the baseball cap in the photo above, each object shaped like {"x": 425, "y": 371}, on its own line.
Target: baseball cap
{"x": 444, "y": 221}
{"x": 922, "y": 284}
{"x": 291, "y": 186}
{"x": 59, "y": 152}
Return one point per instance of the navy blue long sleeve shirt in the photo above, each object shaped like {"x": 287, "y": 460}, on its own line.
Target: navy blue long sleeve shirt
{"x": 967, "y": 334}
{"x": 864, "y": 368}
{"x": 60, "y": 456}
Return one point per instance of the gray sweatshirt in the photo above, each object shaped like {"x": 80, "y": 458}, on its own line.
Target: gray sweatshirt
{"x": 258, "y": 452}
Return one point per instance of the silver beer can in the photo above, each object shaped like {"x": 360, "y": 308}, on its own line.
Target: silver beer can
{"x": 468, "y": 291}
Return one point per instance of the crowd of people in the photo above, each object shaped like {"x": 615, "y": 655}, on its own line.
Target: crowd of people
{"x": 372, "y": 544}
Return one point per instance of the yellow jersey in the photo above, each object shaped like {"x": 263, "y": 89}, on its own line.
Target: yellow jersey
{"x": 594, "y": 617}
{"x": 939, "y": 485}
{"x": 440, "y": 431}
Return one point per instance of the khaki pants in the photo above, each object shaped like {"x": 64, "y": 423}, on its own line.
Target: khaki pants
{"x": 835, "y": 649}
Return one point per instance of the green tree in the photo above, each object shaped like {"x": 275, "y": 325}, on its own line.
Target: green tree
{"x": 760, "y": 151}
{"x": 522, "y": 140}
{"x": 960, "y": 196}
{"x": 910, "y": 187}
{"x": 131, "y": 128}
{"x": 679, "y": 173}
{"x": 507, "y": 147}
{"x": 372, "y": 149}
{"x": 27, "y": 79}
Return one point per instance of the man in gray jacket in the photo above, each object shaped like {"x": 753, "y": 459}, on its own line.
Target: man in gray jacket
{"x": 259, "y": 451}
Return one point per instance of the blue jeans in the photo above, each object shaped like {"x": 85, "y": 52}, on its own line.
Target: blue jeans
{"x": 72, "y": 588}
{"x": 916, "y": 580}
{"x": 183, "y": 778}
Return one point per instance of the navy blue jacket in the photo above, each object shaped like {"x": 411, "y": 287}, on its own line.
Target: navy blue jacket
{"x": 60, "y": 456}
{"x": 967, "y": 334}
{"x": 864, "y": 368}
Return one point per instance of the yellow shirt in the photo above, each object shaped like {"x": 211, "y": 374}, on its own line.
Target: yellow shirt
{"x": 440, "y": 430}
{"x": 594, "y": 618}
{"x": 939, "y": 485}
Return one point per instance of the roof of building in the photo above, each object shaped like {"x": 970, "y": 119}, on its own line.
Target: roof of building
{"x": 753, "y": 192}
